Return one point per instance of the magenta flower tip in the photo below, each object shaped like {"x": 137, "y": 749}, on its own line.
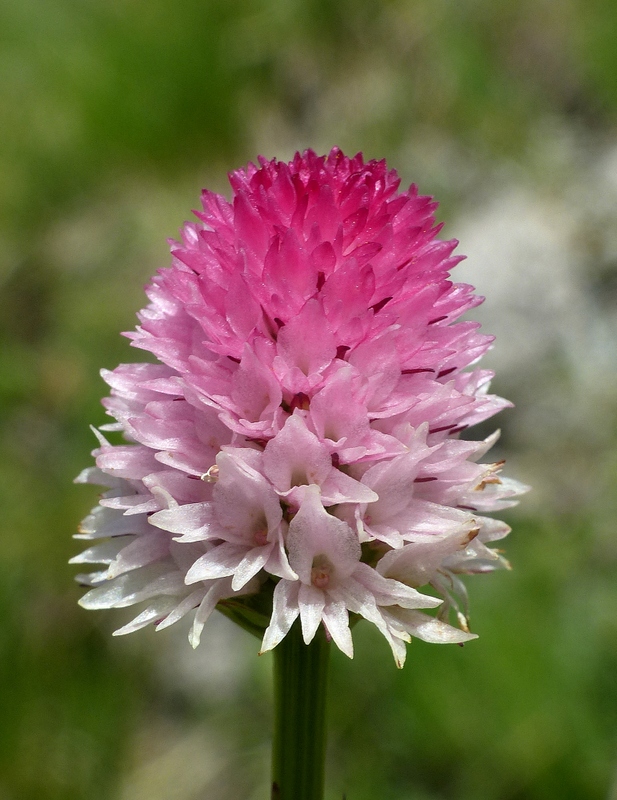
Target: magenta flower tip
{"x": 299, "y": 437}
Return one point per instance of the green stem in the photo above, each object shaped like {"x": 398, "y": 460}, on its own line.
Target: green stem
{"x": 299, "y": 747}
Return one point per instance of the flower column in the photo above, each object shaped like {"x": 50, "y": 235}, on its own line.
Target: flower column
{"x": 294, "y": 456}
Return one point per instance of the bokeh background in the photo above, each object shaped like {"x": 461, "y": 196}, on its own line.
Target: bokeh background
{"x": 113, "y": 115}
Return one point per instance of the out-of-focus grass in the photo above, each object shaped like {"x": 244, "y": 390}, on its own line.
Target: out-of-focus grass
{"x": 113, "y": 114}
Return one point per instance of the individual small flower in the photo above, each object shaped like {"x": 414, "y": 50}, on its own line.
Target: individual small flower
{"x": 295, "y": 454}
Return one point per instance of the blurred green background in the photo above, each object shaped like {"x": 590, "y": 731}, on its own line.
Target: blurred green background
{"x": 113, "y": 115}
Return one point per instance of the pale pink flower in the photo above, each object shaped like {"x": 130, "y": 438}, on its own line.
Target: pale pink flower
{"x": 298, "y": 441}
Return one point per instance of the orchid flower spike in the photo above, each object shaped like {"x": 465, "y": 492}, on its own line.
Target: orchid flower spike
{"x": 296, "y": 448}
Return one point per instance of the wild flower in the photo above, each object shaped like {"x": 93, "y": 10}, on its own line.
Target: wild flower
{"x": 296, "y": 451}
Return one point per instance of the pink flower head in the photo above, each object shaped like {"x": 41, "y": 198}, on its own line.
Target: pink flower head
{"x": 297, "y": 446}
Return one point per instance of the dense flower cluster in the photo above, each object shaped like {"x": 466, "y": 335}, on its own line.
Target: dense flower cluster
{"x": 299, "y": 438}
